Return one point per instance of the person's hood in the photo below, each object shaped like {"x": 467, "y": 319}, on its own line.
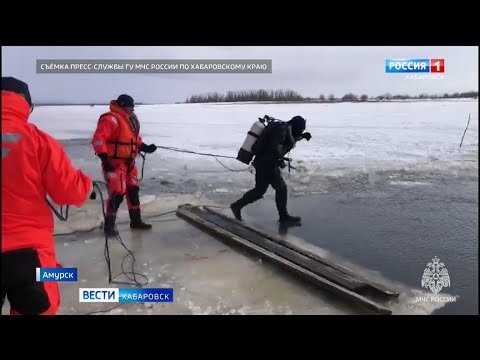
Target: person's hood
{"x": 14, "y": 107}
{"x": 117, "y": 108}
{"x": 298, "y": 125}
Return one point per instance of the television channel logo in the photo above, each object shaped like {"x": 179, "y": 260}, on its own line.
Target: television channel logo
{"x": 125, "y": 295}
{"x": 415, "y": 65}
{"x": 56, "y": 274}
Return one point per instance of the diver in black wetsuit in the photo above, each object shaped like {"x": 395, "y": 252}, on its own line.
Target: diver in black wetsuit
{"x": 276, "y": 140}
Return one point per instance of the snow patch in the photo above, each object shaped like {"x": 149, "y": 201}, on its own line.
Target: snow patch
{"x": 409, "y": 183}
{"x": 145, "y": 199}
{"x": 222, "y": 190}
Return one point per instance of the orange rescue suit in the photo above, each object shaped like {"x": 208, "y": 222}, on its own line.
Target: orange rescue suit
{"x": 117, "y": 134}
{"x": 33, "y": 165}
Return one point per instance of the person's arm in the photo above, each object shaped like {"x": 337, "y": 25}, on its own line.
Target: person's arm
{"x": 281, "y": 141}
{"x": 305, "y": 135}
{"x": 63, "y": 183}
{"x": 106, "y": 127}
{"x": 146, "y": 148}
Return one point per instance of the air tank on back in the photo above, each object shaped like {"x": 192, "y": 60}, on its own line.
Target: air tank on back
{"x": 245, "y": 154}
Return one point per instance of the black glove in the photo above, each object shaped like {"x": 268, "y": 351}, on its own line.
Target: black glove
{"x": 107, "y": 165}
{"x": 148, "y": 148}
{"x": 307, "y": 136}
{"x": 282, "y": 164}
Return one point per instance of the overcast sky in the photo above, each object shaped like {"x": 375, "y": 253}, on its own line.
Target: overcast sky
{"x": 310, "y": 71}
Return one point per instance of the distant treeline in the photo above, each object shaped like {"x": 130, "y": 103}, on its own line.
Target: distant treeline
{"x": 290, "y": 95}
{"x": 247, "y": 95}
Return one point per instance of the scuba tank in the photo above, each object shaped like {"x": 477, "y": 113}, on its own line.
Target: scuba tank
{"x": 245, "y": 154}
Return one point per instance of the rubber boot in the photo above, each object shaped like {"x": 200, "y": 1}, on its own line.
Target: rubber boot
{"x": 249, "y": 197}
{"x": 136, "y": 220}
{"x": 287, "y": 218}
{"x": 281, "y": 197}
{"x": 109, "y": 227}
{"x": 236, "y": 210}
{"x": 238, "y": 205}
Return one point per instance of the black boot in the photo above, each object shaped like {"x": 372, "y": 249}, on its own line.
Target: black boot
{"x": 238, "y": 205}
{"x": 286, "y": 218}
{"x": 236, "y": 210}
{"x": 109, "y": 227}
{"x": 249, "y": 197}
{"x": 281, "y": 197}
{"x": 136, "y": 220}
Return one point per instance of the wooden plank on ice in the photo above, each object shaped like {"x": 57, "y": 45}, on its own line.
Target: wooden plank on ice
{"x": 198, "y": 217}
{"x": 367, "y": 287}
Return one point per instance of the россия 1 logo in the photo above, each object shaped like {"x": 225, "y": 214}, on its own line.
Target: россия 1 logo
{"x": 428, "y": 66}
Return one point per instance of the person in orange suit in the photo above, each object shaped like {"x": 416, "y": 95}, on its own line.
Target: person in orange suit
{"x": 34, "y": 165}
{"x": 117, "y": 142}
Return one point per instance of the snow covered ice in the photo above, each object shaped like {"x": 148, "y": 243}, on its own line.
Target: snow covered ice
{"x": 348, "y": 139}
{"x": 402, "y": 143}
